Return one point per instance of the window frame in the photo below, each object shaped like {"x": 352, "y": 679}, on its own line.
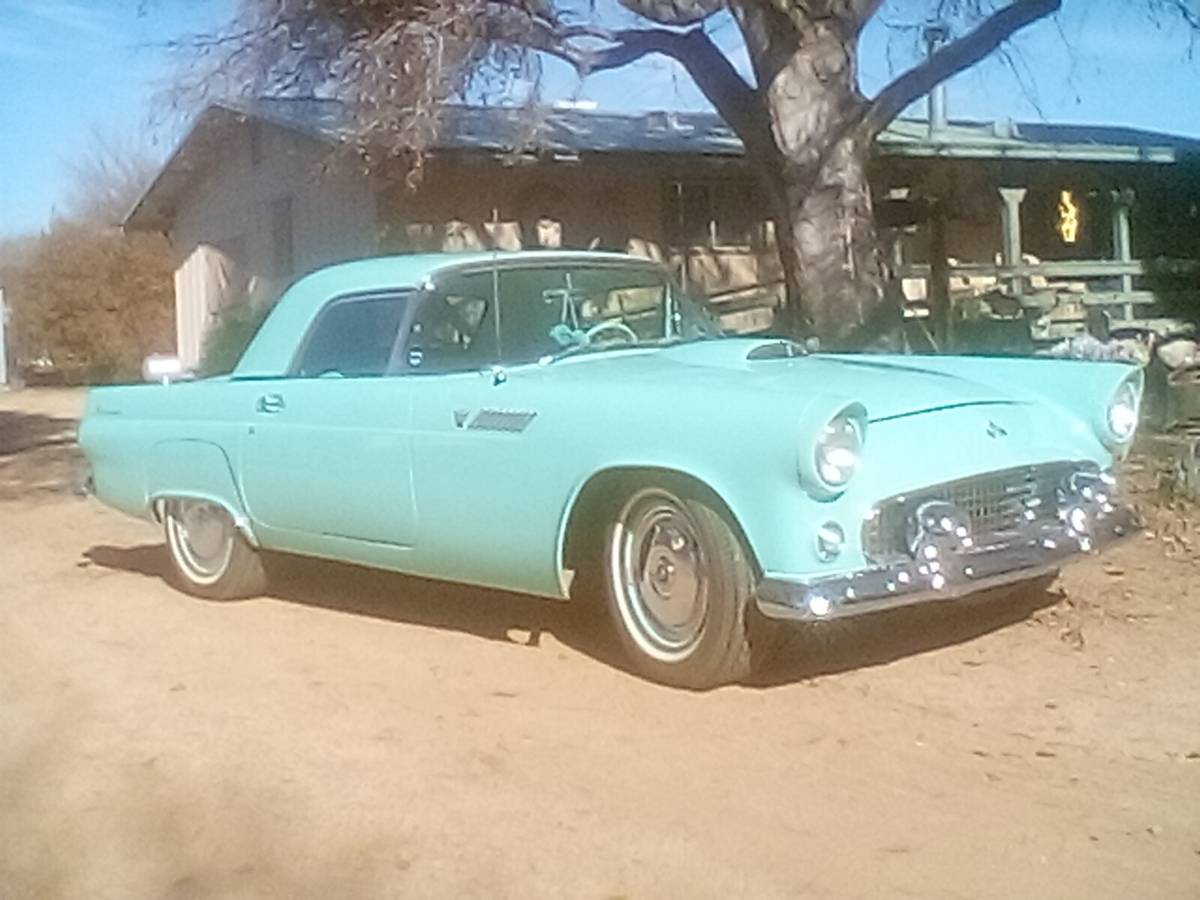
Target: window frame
{"x": 436, "y": 284}
{"x": 432, "y": 289}
{"x": 415, "y": 297}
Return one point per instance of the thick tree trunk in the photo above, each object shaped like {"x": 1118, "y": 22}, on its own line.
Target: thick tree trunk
{"x": 824, "y": 221}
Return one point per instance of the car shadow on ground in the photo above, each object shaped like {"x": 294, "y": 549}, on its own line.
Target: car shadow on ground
{"x": 805, "y": 652}
{"x": 876, "y": 639}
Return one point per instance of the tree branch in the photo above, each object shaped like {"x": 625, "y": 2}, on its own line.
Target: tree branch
{"x": 673, "y": 12}
{"x": 736, "y": 101}
{"x": 952, "y": 59}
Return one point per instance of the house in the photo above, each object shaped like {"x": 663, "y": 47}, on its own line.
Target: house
{"x": 253, "y": 198}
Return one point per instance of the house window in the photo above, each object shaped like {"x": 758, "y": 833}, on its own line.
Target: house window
{"x": 282, "y": 258}
{"x": 724, "y": 212}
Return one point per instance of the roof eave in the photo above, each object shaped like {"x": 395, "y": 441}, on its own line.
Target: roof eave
{"x": 1030, "y": 151}
{"x": 137, "y": 219}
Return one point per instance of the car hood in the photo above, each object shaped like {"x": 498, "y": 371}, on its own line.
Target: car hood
{"x": 887, "y": 388}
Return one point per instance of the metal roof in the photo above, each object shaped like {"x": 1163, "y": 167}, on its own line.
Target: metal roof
{"x": 572, "y": 132}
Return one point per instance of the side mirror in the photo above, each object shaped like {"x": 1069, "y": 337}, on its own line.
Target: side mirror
{"x": 163, "y": 368}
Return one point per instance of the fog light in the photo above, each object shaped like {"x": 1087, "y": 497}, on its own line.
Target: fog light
{"x": 818, "y": 605}
{"x": 830, "y": 541}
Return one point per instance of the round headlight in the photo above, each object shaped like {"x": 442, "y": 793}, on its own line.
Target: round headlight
{"x": 838, "y": 450}
{"x": 1122, "y": 416}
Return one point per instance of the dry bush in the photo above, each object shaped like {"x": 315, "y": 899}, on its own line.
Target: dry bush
{"x": 93, "y": 302}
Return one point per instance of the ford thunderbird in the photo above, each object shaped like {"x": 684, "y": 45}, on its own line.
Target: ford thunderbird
{"x": 546, "y": 422}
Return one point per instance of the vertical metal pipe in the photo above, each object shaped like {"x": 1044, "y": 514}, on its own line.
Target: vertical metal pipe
{"x": 936, "y": 34}
{"x": 938, "y": 120}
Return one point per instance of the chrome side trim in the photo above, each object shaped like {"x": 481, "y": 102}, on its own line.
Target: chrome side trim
{"x": 508, "y": 420}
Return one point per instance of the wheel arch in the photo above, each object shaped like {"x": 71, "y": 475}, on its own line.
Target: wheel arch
{"x": 190, "y": 469}
{"x": 241, "y": 521}
{"x": 598, "y": 496}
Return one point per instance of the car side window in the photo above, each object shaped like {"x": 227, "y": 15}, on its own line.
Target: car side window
{"x": 353, "y": 337}
{"x": 453, "y": 330}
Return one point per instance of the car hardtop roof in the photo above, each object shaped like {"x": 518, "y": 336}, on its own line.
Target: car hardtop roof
{"x": 272, "y": 348}
{"x": 409, "y": 270}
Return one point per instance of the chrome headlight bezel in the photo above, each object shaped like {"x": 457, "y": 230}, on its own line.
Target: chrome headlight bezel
{"x": 1122, "y": 413}
{"x": 835, "y": 456}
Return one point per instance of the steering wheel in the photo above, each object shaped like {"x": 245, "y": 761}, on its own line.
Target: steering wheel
{"x": 615, "y": 325}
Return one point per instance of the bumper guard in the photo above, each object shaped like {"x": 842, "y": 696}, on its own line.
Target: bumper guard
{"x": 945, "y": 562}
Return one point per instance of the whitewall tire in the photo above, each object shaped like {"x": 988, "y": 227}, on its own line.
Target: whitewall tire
{"x": 209, "y": 555}
{"x": 680, "y": 585}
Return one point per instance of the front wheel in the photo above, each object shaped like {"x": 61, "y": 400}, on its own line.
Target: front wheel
{"x": 209, "y": 555}
{"x": 680, "y": 584}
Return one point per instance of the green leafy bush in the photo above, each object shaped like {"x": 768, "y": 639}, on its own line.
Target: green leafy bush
{"x": 230, "y": 335}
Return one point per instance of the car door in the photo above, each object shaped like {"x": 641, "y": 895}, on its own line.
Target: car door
{"x": 467, "y": 437}
{"x": 328, "y": 450}
{"x": 493, "y": 465}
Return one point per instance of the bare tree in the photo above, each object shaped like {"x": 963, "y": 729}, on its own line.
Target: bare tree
{"x": 106, "y": 177}
{"x": 806, "y": 125}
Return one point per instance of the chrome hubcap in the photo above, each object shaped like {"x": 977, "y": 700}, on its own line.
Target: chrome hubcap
{"x": 202, "y": 537}
{"x": 659, "y": 576}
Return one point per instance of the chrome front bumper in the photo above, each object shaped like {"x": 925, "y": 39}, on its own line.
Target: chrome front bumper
{"x": 953, "y": 568}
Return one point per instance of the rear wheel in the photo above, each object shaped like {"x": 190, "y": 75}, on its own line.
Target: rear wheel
{"x": 679, "y": 589}
{"x": 209, "y": 555}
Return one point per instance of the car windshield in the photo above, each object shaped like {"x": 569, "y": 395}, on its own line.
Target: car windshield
{"x": 547, "y": 312}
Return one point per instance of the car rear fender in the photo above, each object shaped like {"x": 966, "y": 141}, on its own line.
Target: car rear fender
{"x": 195, "y": 470}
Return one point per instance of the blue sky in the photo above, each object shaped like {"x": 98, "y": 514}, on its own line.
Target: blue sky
{"x": 69, "y": 68}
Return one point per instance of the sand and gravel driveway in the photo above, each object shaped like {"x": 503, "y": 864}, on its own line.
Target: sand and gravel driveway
{"x": 363, "y": 735}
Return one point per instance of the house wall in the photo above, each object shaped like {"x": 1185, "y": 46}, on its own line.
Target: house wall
{"x": 702, "y": 219}
{"x": 268, "y": 211}
{"x": 470, "y": 203}
{"x": 273, "y": 213}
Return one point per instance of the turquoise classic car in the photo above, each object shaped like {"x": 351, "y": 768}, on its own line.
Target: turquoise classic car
{"x": 553, "y": 422}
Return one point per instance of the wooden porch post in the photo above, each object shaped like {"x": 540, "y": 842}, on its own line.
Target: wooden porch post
{"x": 1010, "y": 215}
{"x": 941, "y": 310}
{"x": 1121, "y": 234}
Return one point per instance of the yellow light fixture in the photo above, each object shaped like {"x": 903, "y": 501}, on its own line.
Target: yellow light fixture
{"x": 1068, "y": 217}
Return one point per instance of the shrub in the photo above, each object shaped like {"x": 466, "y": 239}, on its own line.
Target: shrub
{"x": 92, "y": 302}
{"x": 230, "y": 335}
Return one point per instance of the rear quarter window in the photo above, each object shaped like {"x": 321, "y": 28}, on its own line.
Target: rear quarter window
{"x": 352, "y": 337}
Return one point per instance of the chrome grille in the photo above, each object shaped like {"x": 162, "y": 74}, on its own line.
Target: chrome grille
{"x": 994, "y": 503}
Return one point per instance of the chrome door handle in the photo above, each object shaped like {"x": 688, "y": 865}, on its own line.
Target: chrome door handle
{"x": 270, "y": 403}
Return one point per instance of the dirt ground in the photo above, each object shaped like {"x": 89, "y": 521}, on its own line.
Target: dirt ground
{"x": 355, "y": 734}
